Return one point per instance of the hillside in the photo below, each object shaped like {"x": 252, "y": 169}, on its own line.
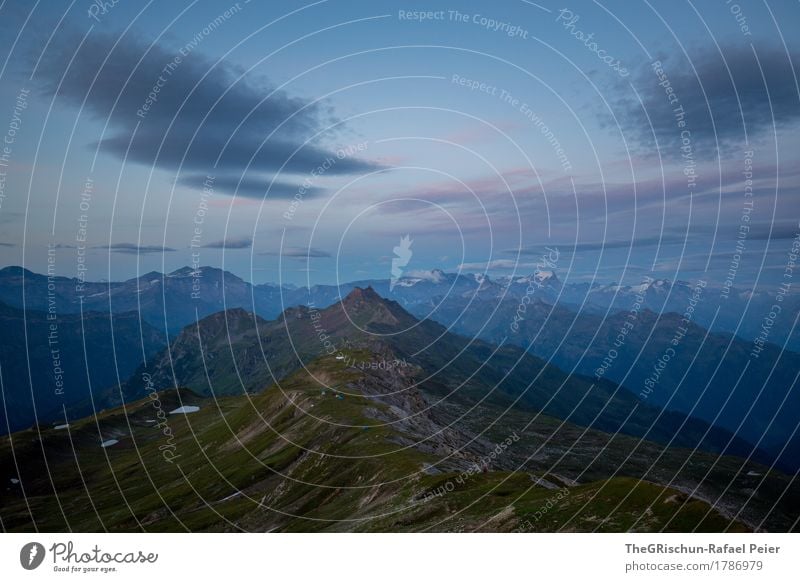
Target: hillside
{"x": 664, "y": 360}
{"x": 297, "y": 457}
{"x": 72, "y": 361}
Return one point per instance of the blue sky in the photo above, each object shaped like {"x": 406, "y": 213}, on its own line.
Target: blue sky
{"x": 484, "y": 132}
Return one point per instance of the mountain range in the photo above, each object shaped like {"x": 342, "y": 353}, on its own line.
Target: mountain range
{"x": 431, "y": 381}
{"x": 464, "y": 437}
{"x": 711, "y": 376}
{"x": 172, "y": 301}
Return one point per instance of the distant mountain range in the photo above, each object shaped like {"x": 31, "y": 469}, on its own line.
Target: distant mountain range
{"x": 171, "y": 301}
{"x": 710, "y": 376}
{"x": 360, "y": 417}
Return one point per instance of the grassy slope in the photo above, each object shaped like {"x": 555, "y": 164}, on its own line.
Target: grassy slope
{"x": 358, "y": 479}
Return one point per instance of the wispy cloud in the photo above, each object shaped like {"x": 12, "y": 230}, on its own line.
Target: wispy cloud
{"x": 258, "y": 188}
{"x": 299, "y": 253}
{"x": 135, "y": 249}
{"x": 244, "y": 242}
{"x": 495, "y": 265}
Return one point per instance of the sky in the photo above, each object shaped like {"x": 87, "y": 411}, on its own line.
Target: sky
{"x": 299, "y": 142}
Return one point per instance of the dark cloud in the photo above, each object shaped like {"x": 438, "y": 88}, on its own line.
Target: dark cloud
{"x": 134, "y": 249}
{"x": 5, "y": 244}
{"x": 202, "y": 119}
{"x": 299, "y": 253}
{"x": 244, "y": 242}
{"x": 251, "y": 187}
{"x": 724, "y": 96}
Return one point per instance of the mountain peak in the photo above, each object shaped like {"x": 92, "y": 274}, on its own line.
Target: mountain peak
{"x": 362, "y": 294}
{"x": 367, "y": 306}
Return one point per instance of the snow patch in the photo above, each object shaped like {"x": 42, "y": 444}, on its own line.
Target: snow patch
{"x": 109, "y": 443}
{"x": 434, "y": 276}
{"x": 406, "y": 282}
{"x": 185, "y": 410}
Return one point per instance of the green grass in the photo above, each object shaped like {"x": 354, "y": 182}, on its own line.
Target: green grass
{"x": 297, "y": 473}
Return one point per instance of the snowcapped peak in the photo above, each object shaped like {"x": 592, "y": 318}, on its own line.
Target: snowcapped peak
{"x": 545, "y": 276}
{"x": 434, "y": 275}
{"x": 657, "y": 285}
{"x": 539, "y": 276}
